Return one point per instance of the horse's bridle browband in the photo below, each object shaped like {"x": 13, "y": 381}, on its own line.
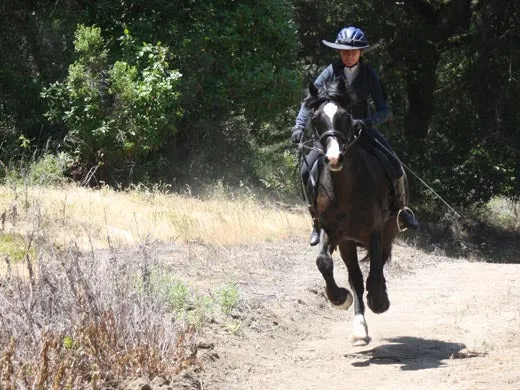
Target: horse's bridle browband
{"x": 332, "y": 133}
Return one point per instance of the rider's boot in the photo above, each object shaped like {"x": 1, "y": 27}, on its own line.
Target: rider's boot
{"x": 315, "y": 234}
{"x": 405, "y": 216}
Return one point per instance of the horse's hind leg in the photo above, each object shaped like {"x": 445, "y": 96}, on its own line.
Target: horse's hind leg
{"x": 377, "y": 297}
{"x": 340, "y": 297}
{"x": 348, "y": 251}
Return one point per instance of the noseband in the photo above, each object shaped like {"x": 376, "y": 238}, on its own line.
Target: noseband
{"x": 345, "y": 146}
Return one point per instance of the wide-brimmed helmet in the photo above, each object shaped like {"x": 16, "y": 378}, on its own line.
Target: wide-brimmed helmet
{"x": 349, "y": 38}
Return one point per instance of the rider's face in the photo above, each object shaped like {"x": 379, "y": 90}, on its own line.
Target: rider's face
{"x": 350, "y": 57}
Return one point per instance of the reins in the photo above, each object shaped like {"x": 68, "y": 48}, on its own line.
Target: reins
{"x": 303, "y": 146}
{"x": 420, "y": 179}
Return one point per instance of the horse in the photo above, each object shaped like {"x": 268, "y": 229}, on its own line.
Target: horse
{"x": 353, "y": 206}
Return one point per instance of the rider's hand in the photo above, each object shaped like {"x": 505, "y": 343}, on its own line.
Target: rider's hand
{"x": 358, "y": 124}
{"x": 297, "y": 134}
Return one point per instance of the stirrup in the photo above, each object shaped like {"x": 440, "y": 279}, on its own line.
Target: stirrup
{"x": 399, "y": 214}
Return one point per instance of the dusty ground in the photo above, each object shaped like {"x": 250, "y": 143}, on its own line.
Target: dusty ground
{"x": 452, "y": 324}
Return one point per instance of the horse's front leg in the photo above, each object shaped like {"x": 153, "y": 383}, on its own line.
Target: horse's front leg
{"x": 348, "y": 251}
{"x": 377, "y": 297}
{"x": 340, "y": 297}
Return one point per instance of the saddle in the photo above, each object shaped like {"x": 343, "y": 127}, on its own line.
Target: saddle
{"x": 388, "y": 160}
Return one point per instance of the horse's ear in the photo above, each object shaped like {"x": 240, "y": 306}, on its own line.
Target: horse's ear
{"x": 312, "y": 89}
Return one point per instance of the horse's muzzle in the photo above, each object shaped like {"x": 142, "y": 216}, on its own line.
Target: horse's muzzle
{"x": 334, "y": 163}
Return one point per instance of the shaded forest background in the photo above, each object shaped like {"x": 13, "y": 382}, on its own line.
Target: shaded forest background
{"x": 186, "y": 92}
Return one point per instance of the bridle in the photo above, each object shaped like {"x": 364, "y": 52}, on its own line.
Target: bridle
{"x": 345, "y": 146}
{"x": 345, "y": 142}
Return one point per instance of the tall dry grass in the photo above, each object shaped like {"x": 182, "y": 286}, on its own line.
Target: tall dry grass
{"x": 84, "y": 299}
{"x": 104, "y": 217}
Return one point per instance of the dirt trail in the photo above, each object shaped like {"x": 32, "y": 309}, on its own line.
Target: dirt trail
{"x": 452, "y": 324}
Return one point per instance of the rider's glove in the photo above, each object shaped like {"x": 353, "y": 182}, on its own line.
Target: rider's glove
{"x": 297, "y": 134}
{"x": 358, "y": 124}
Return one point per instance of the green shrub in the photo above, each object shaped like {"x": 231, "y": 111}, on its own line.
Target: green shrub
{"x": 178, "y": 295}
{"x": 50, "y": 169}
{"x": 201, "y": 312}
{"x": 15, "y": 247}
{"x": 117, "y": 111}
{"x": 228, "y": 297}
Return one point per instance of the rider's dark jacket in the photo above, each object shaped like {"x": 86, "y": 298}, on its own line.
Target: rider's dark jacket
{"x": 366, "y": 85}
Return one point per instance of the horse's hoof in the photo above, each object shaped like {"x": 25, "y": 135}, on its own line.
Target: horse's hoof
{"x": 342, "y": 300}
{"x": 359, "y": 331}
{"x": 378, "y": 306}
{"x": 360, "y": 342}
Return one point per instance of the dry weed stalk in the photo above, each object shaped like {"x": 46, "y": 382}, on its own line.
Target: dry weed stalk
{"x": 77, "y": 320}
{"x": 75, "y": 316}
{"x": 7, "y": 368}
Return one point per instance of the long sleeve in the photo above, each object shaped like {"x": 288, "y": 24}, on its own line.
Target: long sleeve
{"x": 378, "y": 95}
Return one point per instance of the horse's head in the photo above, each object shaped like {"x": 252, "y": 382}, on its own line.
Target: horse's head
{"x": 331, "y": 120}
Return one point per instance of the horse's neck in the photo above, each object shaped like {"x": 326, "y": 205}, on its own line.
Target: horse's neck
{"x": 359, "y": 174}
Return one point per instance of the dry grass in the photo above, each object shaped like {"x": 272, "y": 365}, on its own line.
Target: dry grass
{"x": 84, "y": 300}
{"x": 105, "y": 217}
{"x": 86, "y": 321}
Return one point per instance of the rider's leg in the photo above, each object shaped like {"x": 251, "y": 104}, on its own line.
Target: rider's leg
{"x": 405, "y": 217}
{"x": 315, "y": 233}
{"x": 310, "y": 159}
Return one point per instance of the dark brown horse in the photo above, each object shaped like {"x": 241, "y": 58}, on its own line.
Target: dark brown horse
{"x": 353, "y": 206}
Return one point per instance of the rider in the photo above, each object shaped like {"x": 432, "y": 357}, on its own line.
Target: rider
{"x": 351, "y": 43}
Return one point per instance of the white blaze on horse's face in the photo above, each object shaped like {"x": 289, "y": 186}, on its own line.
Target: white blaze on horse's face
{"x": 333, "y": 152}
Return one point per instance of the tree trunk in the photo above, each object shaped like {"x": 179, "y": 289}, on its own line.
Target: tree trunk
{"x": 420, "y": 85}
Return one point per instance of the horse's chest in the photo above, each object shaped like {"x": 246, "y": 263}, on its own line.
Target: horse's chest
{"x": 349, "y": 215}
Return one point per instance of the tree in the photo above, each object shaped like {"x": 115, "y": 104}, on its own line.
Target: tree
{"x": 34, "y": 53}
{"x": 116, "y": 112}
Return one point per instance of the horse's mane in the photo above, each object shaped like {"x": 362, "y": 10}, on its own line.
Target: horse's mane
{"x": 335, "y": 91}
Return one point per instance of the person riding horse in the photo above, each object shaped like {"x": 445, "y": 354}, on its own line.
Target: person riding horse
{"x": 351, "y": 43}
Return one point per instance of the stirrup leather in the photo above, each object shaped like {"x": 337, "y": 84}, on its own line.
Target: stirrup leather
{"x": 399, "y": 214}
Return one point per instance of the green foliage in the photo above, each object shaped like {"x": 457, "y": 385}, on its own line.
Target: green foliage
{"x": 47, "y": 169}
{"x": 275, "y": 168}
{"x": 238, "y": 59}
{"x": 36, "y": 42}
{"x": 234, "y": 327}
{"x": 14, "y": 247}
{"x": 115, "y": 112}
{"x": 202, "y": 311}
{"x": 450, "y": 70}
{"x": 145, "y": 96}
{"x": 68, "y": 342}
{"x": 50, "y": 169}
{"x": 501, "y": 213}
{"x": 473, "y": 138}
{"x": 177, "y": 296}
{"x": 90, "y": 47}
{"x": 228, "y": 297}
{"x": 188, "y": 305}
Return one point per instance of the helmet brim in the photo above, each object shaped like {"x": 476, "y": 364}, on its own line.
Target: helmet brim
{"x": 339, "y": 46}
